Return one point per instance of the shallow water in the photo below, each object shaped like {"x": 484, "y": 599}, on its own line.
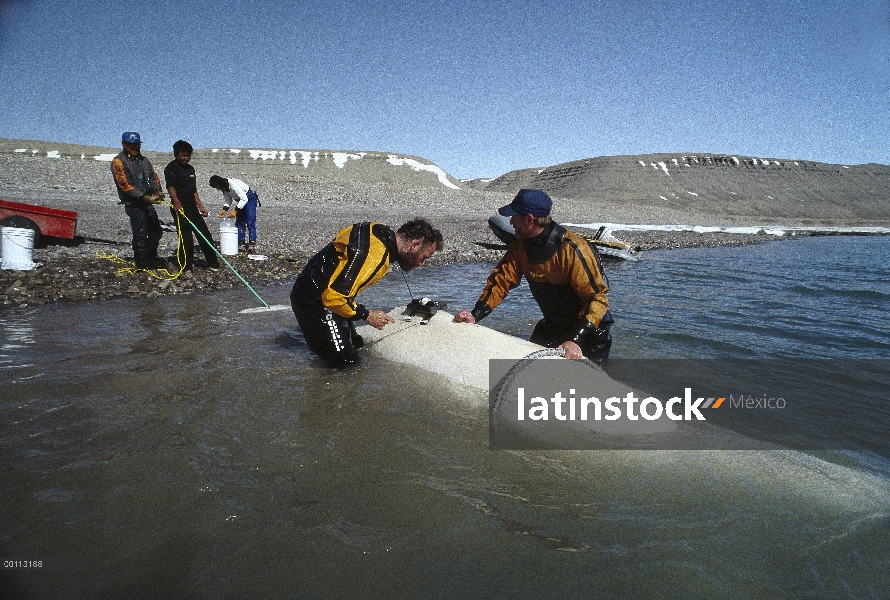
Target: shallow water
{"x": 185, "y": 450}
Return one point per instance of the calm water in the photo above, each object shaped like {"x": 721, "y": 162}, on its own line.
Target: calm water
{"x": 185, "y": 450}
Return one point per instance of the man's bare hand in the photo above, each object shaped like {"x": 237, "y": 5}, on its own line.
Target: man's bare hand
{"x": 464, "y": 316}
{"x": 377, "y": 318}
{"x": 573, "y": 350}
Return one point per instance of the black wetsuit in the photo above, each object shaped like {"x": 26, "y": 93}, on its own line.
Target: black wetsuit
{"x": 324, "y": 296}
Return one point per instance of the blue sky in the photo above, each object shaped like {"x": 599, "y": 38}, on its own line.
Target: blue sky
{"x": 479, "y": 88}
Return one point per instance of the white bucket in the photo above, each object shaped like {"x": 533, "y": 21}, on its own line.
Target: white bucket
{"x": 228, "y": 238}
{"x": 18, "y": 245}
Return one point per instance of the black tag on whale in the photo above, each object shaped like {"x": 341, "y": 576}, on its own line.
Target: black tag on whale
{"x": 425, "y": 308}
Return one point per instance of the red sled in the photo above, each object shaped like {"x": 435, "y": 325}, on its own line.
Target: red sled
{"x": 50, "y": 222}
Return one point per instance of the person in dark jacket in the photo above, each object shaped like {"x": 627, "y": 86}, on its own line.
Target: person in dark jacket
{"x": 324, "y": 295}
{"x": 565, "y": 277}
{"x": 179, "y": 176}
{"x": 138, "y": 189}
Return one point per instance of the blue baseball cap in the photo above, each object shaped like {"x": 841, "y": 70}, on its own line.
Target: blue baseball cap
{"x": 131, "y": 137}
{"x": 528, "y": 202}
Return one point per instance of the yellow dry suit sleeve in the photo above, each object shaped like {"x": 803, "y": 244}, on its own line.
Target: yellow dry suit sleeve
{"x": 505, "y": 276}
{"x": 362, "y": 260}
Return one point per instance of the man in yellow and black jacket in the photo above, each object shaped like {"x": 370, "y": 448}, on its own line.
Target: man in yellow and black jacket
{"x": 324, "y": 296}
{"x": 565, "y": 277}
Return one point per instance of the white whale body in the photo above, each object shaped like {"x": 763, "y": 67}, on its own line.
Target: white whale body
{"x": 460, "y": 352}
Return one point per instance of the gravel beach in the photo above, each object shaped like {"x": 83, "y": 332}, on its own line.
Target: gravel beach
{"x": 87, "y": 270}
{"x": 300, "y": 213}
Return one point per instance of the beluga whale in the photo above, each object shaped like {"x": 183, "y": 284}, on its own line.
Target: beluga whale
{"x": 503, "y": 366}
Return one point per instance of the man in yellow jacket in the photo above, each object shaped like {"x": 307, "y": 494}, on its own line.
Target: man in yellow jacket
{"x": 564, "y": 274}
{"x": 324, "y": 295}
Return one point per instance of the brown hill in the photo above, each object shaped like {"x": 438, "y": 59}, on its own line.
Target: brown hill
{"x": 251, "y": 163}
{"x": 652, "y": 188}
{"x": 718, "y": 185}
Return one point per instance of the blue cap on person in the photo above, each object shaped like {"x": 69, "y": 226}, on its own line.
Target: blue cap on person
{"x": 131, "y": 137}
{"x": 528, "y": 202}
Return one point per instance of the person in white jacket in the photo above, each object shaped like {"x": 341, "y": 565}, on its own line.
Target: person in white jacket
{"x": 243, "y": 202}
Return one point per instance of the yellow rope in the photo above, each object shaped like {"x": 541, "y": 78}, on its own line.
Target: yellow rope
{"x": 157, "y": 273}
{"x": 160, "y": 274}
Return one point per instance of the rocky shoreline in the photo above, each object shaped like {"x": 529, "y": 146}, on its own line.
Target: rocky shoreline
{"x": 95, "y": 270}
{"x": 303, "y": 208}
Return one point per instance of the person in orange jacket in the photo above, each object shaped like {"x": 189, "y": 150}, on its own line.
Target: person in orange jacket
{"x": 564, "y": 274}
{"x": 138, "y": 189}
